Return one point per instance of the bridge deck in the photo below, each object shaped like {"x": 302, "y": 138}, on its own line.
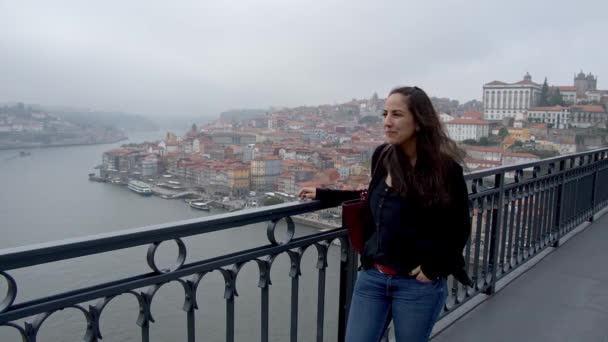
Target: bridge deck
{"x": 564, "y": 297}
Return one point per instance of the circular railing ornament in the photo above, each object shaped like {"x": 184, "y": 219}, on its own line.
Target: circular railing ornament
{"x": 270, "y": 231}
{"x": 11, "y": 292}
{"x": 181, "y": 257}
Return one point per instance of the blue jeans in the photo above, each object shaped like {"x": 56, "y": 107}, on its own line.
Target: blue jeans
{"x": 413, "y": 306}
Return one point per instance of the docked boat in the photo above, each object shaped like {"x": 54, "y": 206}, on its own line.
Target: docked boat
{"x": 93, "y": 177}
{"x": 140, "y": 187}
{"x": 199, "y": 205}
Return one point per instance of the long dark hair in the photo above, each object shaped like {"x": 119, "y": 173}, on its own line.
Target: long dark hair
{"x": 435, "y": 151}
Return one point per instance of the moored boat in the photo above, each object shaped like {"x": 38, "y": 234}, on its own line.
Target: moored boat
{"x": 200, "y": 205}
{"x": 140, "y": 187}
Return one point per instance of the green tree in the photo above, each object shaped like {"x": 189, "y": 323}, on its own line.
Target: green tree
{"x": 370, "y": 120}
{"x": 484, "y": 141}
{"x": 332, "y": 144}
{"x": 544, "y": 93}
{"x": 503, "y": 132}
{"x": 555, "y": 98}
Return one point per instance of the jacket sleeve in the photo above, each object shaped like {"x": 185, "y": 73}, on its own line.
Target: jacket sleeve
{"x": 447, "y": 256}
{"x": 336, "y": 197}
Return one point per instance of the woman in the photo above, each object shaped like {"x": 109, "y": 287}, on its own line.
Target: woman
{"x": 419, "y": 203}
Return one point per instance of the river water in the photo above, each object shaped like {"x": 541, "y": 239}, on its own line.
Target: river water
{"x": 47, "y": 196}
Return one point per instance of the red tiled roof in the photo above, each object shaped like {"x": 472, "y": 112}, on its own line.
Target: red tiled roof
{"x": 522, "y": 82}
{"x": 509, "y": 140}
{"x": 565, "y": 88}
{"x": 484, "y": 149}
{"x": 481, "y": 161}
{"x": 539, "y": 126}
{"x": 527, "y": 82}
{"x": 310, "y": 184}
{"x": 464, "y": 121}
{"x": 520, "y": 155}
{"x": 120, "y": 151}
{"x": 473, "y": 114}
{"x": 546, "y": 109}
{"x": 589, "y": 108}
{"x": 496, "y": 83}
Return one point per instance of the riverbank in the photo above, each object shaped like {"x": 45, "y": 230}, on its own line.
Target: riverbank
{"x": 37, "y": 146}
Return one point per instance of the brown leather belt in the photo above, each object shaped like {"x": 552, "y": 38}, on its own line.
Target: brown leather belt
{"x": 385, "y": 269}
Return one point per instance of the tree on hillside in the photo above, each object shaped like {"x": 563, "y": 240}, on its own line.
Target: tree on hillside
{"x": 503, "y": 132}
{"x": 544, "y": 94}
{"x": 370, "y": 120}
{"x": 484, "y": 141}
{"x": 555, "y": 98}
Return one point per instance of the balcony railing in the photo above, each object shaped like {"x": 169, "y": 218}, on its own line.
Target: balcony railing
{"x": 516, "y": 211}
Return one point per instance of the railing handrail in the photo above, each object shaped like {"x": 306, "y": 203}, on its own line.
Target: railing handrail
{"x": 35, "y": 254}
{"x": 509, "y": 168}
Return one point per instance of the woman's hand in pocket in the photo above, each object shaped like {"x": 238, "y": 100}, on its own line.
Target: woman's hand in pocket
{"x": 420, "y": 276}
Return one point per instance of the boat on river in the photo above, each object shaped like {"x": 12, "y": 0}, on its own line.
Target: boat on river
{"x": 200, "y": 205}
{"x": 140, "y": 187}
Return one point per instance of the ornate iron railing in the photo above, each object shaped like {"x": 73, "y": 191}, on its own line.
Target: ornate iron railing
{"x": 516, "y": 211}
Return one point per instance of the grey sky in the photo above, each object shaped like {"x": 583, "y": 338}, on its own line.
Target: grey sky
{"x": 199, "y": 57}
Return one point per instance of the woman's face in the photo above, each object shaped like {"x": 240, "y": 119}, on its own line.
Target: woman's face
{"x": 399, "y": 123}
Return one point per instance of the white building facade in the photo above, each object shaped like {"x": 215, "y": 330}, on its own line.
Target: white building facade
{"x": 557, "y": 116}
{"x": 568, "y": 94}
{"x": 585, "y": 116}
{"x": 502, "y": 100}
{"x": 463, "y": 129}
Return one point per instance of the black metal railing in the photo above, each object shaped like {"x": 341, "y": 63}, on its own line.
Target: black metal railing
{"x": 516, "y": 211}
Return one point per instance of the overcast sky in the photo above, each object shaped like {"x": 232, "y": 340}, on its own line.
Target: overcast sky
{"x": 199, "y": 57}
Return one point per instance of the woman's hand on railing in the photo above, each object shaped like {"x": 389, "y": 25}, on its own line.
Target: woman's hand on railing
{"x": 307, "y": 193}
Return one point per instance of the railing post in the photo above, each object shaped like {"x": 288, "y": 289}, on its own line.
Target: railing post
{"x": 348, "y": 276}
{"x": 499, "y": 180}
{"x": 557, "y": 227}
{"x": 593, "y": 186}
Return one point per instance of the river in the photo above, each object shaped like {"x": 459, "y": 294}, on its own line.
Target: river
{"x": 47, "y": 196}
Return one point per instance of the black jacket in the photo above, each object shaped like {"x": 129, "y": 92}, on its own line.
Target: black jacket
{"x": 441, "y": 231}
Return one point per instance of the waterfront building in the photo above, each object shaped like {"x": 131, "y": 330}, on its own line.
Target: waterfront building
{"x": 232, "y": 138}
{"x": 120, "y": 159}
{"x": 149, "y": 166}
{"x": 248, "y": 151}
{"x": 265, "y": 172}
{"x": 238, "y": 175}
